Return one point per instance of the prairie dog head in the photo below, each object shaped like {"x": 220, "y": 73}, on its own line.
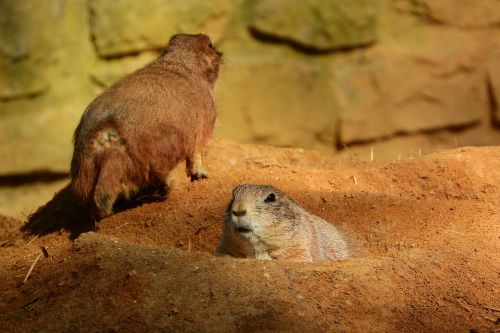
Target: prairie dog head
{"x": 261, "y": 215}
{"x": 197, "y": 52}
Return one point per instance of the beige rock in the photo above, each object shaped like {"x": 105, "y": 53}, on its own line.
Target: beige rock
{"x": 25, "y": 48}
{"x": 494, "y": 87}
{"x": 284, "y": 102}
{"x": 128, "y": 26}
{"x": 106, "y": 73}
{"x": 463, "y": 13}
{"x": 272, "y": 94}
{"x": 36, "y": 133}
{"x": 317, "y": 24}
{"x": 421, "y": 86}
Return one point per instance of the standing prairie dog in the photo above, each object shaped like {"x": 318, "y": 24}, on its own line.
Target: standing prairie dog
{"x": 262, "y": 222}
{"x": 133, "y": 134}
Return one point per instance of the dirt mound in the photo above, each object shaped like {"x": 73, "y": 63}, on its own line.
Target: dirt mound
{"x": 426, "y": 235}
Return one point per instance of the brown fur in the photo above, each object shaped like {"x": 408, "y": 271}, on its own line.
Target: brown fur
{"x": 133, "y": 134}
{"x": 280, "y": 229}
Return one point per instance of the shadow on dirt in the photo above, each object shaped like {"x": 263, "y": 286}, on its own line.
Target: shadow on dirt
{"x": 65, "y": 212}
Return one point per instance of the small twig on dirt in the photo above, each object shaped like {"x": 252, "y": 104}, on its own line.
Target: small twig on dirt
{"x": 263, "y": 164}
{"x": 490, "y": 319}
{"x": 490, "y": 308}
{"x": 399, "y": 157}
{"x": 456, "y": 232}
{"x": 189, "y": 245}
{"x": 354, "y": 180}
{"x": 121, "y": 226}
{"x": 419, "y": 152}
{"x": 32, "y": 240}
{"x": 464, "y": 306}
{"x": 203, "y": 227}
{"x": 371, "y": 154}
{"x": 32, "y": 267}
{"x": 31, "y": 304}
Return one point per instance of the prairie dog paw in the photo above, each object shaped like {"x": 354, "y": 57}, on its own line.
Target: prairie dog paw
{"x": 197, "y": 173}
{"x": 194, "y": 167}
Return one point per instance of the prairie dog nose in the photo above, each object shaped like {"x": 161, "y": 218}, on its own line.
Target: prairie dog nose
{"x": 239, "y": 209}
{"x": 239, "y": 212}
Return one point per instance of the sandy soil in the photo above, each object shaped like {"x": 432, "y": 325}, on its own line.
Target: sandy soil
{"x": 426, "y": 233}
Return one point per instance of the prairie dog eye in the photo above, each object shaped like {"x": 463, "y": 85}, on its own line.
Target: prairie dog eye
{"x": 270, "y": 198}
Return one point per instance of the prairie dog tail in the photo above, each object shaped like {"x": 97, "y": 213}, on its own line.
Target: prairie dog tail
{"x": 86, "y": 165}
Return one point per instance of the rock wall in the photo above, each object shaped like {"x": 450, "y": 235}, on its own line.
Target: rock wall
{"x": 399, "y": 75}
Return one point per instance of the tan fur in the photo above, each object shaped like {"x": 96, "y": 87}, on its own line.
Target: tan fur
{"x": 278, "y": 229}
{"x": 133, "y": 134}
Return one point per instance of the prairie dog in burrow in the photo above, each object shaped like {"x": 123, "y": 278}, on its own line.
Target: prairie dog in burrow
{"x": 264, "y": 223}
{"x": 133, "y": 134}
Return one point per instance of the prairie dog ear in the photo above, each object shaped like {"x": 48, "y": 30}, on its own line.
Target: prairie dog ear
{"x": 180, "y": 41}
{"x": 211, "y": 64}
{"x": 176, "y": 40}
